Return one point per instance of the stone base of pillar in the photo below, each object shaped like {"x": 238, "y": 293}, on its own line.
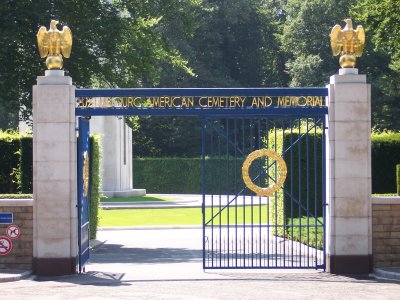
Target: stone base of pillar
{"x": 124, "y": 193}
{"x": 54, "y": 266}
{"x": 349, "y": 264}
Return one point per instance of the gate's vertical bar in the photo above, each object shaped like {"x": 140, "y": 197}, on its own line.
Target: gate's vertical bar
{"x": 315, "y": 194}
{"x": 219, "y": 192}
{"x": 236, "y": 196}
{"x": 291, "y": 190}
{"x": 283, "y": 197}
{"x": 227, "y": 186}
{"x": 324, "y": 187}
{"x": 269, "y": 198}
{"x": 211, "y": 120}
{"x": 299, "y": 210}
{"x": 251, "y": 258}
{"x": 276, "y": 199}
{"x": 259, "y": 197}
{"x": 80, "y": 193}
{"x": 308, "y": 195}
{"x": 203, "y": 179}
{"x": 244, "y": 198}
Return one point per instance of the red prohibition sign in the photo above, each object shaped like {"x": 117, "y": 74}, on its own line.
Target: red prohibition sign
{"x": 5, "y": 245}
{"x": 13, "y": 231}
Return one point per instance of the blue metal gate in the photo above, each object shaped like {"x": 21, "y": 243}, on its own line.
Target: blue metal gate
{"x": 83, "y": 192}
{"x": 263, "y": 168}
{"x": 279, "y": 228}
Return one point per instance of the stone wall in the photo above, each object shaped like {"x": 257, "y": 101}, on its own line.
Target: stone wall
{"x": 386, "y": 231}
{"x": 20, "y": 256}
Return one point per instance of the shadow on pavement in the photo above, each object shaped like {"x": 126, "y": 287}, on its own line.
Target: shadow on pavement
{"x": 89, "y": 278}
{"x": 116, "y": 253}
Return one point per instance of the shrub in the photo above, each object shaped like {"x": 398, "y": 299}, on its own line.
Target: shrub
{"x": 95, "y": 183}
{"x": 184, "y": 176}
{"x": 9, "y": 158}
{"x": 25, "y": 165}
{"x": 385, "y": 154}
{"x": 398, "y": 179}
{"x": 16, "y": 196}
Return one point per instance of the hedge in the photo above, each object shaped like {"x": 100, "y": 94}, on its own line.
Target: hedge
{"x": 158, "y": 175}
{"x": 10, "y": 146}
{"x": 25, "y": 165}
{"x": 385, "y": 155}
{"x": 16, "y": 196}
{"x": 398, "y": 179}
{"x": 95, "y": 183}
{"x": 184, "y": 175}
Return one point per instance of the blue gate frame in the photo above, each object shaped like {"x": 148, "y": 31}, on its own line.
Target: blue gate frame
{"x": 229, "y": 135}
{"x": 83, "y": 192}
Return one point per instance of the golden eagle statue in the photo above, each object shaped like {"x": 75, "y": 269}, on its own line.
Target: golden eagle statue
{"x": 54, "y": 44}
{"x": 348, "y": 43}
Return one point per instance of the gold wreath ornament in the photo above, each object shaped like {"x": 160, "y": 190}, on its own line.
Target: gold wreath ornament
{"x": 268, "y": 191}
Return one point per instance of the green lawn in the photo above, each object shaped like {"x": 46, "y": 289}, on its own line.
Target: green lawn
{"x": 179, "y": 216}
{"x": 192, "y": 216}
{"x": 137, "y": 199}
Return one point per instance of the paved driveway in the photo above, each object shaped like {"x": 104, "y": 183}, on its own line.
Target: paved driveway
{"x": 166, "y": 264}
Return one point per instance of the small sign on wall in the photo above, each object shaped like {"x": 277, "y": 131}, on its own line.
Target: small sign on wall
{"x": 6, "y": 218}
{"x": 13, "y": 232}
{"x": 5, "y": 245}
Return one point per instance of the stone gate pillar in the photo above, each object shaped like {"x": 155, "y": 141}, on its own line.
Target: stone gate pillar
{"x": 349, "y": 248}
{"x": 54, "y": 175}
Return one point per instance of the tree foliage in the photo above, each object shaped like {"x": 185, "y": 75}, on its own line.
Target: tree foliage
{"x": 305, "y": 38}
{"x": 382, "y": 21}
{"x": 197, "y": 43}
{"x": 114, "y": 44}
{"x": 382, "y": 60}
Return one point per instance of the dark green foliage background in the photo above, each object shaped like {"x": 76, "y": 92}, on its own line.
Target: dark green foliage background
{"x": 25, "y": 165}
{"x": 165, "y": 175}
{"x": 385, "y": 155}
{"x": 161, "y": 175}
{"x": 183, "y": 175}
{"x": 296, "y": 179}
{"x": 9, "y": 160}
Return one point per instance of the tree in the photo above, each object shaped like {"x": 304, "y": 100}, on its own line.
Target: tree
{"x": 231, "y": 44}
{"x": 305, "y": 38}
{"x": 113, "y": 45}
{"x": 382, "y": 21}
{"x": 382, "y": 61}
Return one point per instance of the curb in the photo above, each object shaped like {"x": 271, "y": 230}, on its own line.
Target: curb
{"x": 9, "y": 276}
{"x": 387, "y": 273}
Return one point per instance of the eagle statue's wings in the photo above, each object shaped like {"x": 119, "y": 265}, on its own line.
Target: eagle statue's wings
{"x": 43, "y": 41}
{"x": 66, "y": 41}
{"x": 359, "y": 41}
{"x": 336, "y": 40}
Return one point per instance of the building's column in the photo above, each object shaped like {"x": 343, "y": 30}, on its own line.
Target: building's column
{"x": 54, "y": 175}
{"x": 349, "y": 248}
{"x": 116, "y": 161}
